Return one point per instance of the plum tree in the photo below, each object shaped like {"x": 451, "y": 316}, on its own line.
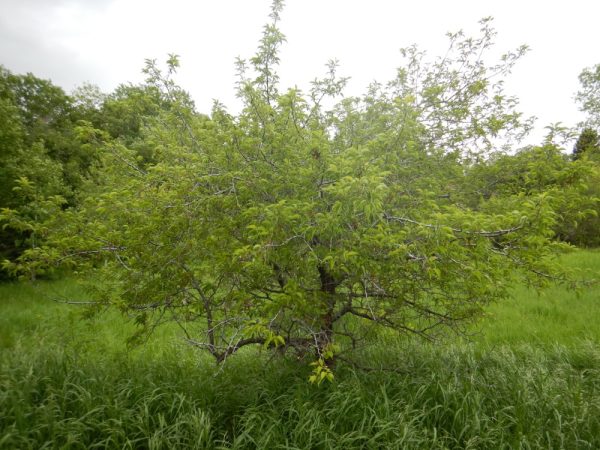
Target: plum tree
{"x": 295, "y": 227}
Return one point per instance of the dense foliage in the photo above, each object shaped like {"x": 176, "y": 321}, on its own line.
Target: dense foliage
{"x": 588, "y": 96}
{"x": 46, "y": 153}
{"x": 587, "y": 145}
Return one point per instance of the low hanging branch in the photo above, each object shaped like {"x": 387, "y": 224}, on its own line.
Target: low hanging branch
{"x": 483, "y": 233}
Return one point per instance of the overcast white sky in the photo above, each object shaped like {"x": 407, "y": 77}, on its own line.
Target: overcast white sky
{"x": 105, "y": 42}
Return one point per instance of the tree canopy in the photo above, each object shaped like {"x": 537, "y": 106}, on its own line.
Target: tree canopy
{"x": 45, "y": 157}
{"x": 588, "y": 96}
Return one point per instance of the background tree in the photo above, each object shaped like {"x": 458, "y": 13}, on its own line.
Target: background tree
{"x": 46, "y": 153}
{"x": 568, "y": 186}
{"x": 587, "y": 150}
{"x": 588, "y": 147}
{"x": 588, "y": 143}
{"x": 589, "y": 95}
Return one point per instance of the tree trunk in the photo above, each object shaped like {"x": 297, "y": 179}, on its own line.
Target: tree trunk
{"x": 328, "y": 287}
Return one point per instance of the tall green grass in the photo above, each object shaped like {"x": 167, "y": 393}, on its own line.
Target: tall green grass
{"x": 33, "y": 311}
{"x": 530, "y": 380}
{"x": 554, "y": 315}
{"x": 444, "y": 398}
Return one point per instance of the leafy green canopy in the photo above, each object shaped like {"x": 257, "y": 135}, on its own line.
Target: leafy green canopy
{"x": 569, "y": 186}
{"x": 46, "y": 152}
{"x": 588, "y": 144}
{"x": 310, "y": 230}
{"x": 588, "y": 96}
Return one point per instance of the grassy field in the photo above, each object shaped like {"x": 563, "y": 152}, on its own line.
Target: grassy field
{"x": 554, "y": 315}
{"x": 530, "y": 378}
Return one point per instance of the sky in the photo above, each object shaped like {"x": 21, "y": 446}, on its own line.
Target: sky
{"x": 105, "y": 42}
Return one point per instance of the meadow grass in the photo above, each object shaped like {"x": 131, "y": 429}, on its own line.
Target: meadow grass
{"x": 32, "y": 311}
{"x": 529, "y": 380}
{"x": 554, "y": 315}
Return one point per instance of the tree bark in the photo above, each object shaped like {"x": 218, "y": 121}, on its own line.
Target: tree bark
{"x": 328, "y": 287}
